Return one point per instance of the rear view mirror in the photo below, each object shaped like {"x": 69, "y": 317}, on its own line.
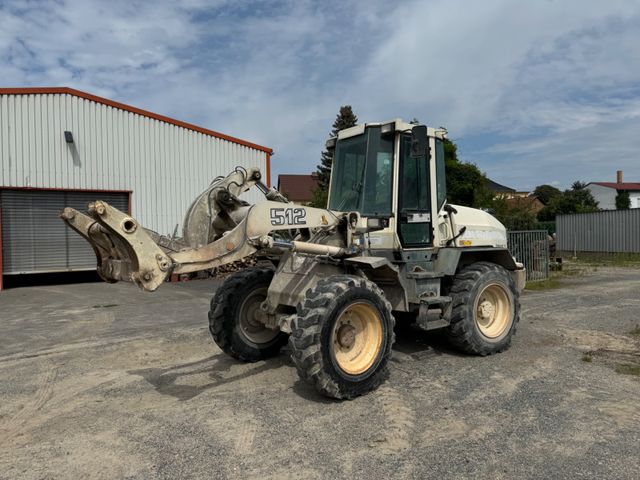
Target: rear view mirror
{"x": 419, "y": 141}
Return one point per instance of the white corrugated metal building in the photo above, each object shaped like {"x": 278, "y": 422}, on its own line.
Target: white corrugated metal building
{"x": 151, "y": 165}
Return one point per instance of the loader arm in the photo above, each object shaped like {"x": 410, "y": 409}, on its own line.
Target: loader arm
{"x": 252, "y": 234}
{"x": 127, "y": 251}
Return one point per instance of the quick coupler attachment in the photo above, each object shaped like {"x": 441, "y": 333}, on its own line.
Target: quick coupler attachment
{"x": 124, "y": 249}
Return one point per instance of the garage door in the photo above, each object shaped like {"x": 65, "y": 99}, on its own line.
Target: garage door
{"x": 35, "y": 240}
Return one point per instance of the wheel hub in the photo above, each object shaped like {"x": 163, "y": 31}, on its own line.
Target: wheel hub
{"x": 486, "y": 310}
{"x": 250, "y": 315}
{"x": 346, "y": 336}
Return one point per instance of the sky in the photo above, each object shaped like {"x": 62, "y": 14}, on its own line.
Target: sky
{"x": 543, "y": 91}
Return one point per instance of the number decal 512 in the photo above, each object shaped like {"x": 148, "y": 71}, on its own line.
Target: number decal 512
{"x": 288, "y": 216}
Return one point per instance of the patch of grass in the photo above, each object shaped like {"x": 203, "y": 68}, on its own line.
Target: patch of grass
{"x": 587, "y": 358}
{"x": 628, "y": 369}
{"x": 548, "y": 284}
{"x": 569, "y": 270}
{"x": 635, "y": 331}
{"x": 605, "y": 259}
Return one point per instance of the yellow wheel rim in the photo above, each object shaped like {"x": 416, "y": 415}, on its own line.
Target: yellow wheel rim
{"x": 357, "y": 338}
{"x": 493, "y": 310}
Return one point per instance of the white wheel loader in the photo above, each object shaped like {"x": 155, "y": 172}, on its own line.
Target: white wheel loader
{"x": 389, "y": 245}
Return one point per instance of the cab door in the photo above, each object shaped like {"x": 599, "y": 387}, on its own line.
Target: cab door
{"x": 414, "y": 198}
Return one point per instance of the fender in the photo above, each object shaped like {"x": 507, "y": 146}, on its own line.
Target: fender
{"x": 449, "y": 260}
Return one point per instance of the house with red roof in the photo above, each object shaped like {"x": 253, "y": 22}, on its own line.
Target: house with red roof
{"x": 298, "y": 188}
{"x": 605, "y": 192}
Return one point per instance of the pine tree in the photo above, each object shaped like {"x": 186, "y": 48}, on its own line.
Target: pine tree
{"x": 345, "y": 119}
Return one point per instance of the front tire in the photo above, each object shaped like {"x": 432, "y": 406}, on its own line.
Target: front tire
{"x": 233, "y": 317}
{"x": 342, "y": 336}
{"x": 485, "y": 309}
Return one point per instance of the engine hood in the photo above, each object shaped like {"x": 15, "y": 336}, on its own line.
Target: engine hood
{"x": 483, "y": 229}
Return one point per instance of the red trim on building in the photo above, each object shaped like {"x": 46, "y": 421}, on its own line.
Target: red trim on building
{"x": 268, "y": 169}
{"x": 129, "y": 192}
{"x": 128, "y": 108}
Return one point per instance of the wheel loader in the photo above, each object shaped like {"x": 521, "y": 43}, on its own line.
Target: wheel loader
{"x": 333, "y": 281}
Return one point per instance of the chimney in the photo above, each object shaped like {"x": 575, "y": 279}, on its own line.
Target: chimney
{"x": 619, "y": 176}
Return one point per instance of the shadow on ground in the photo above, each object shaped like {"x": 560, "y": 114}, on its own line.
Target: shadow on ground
{"x": 411, "y": 344}
{"x": 167, "y": 381}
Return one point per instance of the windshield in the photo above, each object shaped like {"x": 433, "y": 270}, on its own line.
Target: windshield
{"x": 361, "y": 176}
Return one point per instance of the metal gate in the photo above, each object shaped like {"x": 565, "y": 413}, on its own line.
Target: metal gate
{"x": 531, "y": 247}
{"x": 35, "y": 240}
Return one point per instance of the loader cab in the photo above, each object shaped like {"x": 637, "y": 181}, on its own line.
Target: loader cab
{"x": 393, "y": 175}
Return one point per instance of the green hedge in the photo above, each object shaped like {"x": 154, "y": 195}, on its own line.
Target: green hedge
{"x": 548, "y": 226}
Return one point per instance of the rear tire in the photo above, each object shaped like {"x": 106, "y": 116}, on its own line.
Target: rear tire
{"x": 485, "y": 309}
{"x": 232, "y": 317}
{"x": 342, "y": 336}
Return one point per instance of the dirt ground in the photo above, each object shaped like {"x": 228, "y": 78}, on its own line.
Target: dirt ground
{"x": 105, "y": 381}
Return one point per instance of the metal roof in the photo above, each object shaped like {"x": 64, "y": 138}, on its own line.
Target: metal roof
{"x": 129, "y": 108}
{"x": 497, "y": 187}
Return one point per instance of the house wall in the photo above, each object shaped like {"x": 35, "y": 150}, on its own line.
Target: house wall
{"x": 605, "y": 196}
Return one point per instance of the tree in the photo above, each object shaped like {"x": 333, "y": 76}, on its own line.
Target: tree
{"x": 515, "y": 214}
{"x": 465, "y": 182}
{"x": 581, "y": 198}
{"x": 623, "y": 201}
{"x": 546, "y": 193}
{"x": 345, "y": 119}
{"x": 320, "y": 198}
{"x": 577, "y": 199}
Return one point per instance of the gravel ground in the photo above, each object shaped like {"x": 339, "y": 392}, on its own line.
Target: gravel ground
{"x": 104, "y": 381}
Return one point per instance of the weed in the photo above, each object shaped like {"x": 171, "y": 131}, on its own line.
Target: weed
{"x": 635, "y": 330}
{"x": 587, "y": 358}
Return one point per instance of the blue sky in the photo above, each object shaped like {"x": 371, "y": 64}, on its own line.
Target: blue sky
{"x": 533, "y": 92}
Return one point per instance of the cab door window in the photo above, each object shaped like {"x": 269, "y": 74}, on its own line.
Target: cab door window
{"x": 414, "y": 205}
